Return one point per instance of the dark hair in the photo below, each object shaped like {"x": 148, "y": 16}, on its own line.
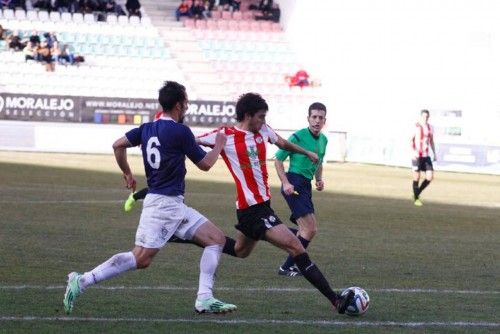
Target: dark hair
{"x": 424, "y": 111}
{"x": 249, "y": 103}
{"x": 170, "y": 94}
{"x": 317, "y": 106}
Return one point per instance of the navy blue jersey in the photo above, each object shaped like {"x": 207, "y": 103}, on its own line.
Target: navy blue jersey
{"x": 165, "y": 145}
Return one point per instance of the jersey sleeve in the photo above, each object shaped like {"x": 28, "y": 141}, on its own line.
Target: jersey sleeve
{"x": 271, "y": 134}
{"x": 192, "y": 150}
{"x": 207, "y": 139}
{"x": 134, "y": 136}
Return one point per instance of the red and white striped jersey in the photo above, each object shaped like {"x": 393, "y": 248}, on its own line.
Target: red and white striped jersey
{"x": 421, "y": 140}
{"x": 245, "y": 156}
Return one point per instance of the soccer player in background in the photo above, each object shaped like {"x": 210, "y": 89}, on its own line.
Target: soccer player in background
{"x": 421, "y": 142}
{"x": 245, "y": 156}
{"x": 296, "y": 183}
{"x": 165, "y": 145}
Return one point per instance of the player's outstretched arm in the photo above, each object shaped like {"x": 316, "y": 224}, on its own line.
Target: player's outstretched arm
{"x": 211, "y": 158}
{"x": 287, "y": 145}
{"x": 120, "y": 149}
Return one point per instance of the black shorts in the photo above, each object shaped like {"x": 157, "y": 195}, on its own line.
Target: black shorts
{"x": 422, "y": 164}
{"x": 254, "y": 221}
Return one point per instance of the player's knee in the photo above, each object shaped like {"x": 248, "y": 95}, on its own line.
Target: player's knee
{"x": 242, "y": 252}
{"x": 295, "y": 247}
{"x": 309, "y": 234}
{"x": 143, "y": 262}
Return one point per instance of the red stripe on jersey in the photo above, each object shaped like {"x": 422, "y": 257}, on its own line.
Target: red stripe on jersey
{"x": 240, "y": 195}
{"x": 261, "y": 148}
{"x": 246, "y": 165}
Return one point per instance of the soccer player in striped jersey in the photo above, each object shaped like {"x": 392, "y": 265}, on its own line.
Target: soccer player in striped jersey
{"x": 421, "y": 142}
{"x": 165, "y": 144}
{"x": 296, "y": 183}
{"x": 245, "y": 156}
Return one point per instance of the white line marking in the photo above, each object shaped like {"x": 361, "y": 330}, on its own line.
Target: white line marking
{"x": 264, "y": 289}
{"x": 353, "y": 323}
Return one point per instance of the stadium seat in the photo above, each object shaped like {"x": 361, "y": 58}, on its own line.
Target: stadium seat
{"x": 8, "y": 14}
{"x": 211, "y": 24}
{"x": 244, "y": 25}
{"x": 77, "y": 17}
{"x": 276, "y": 27}
{"x": 201, "y": 24}
{"x": 216, "y": 15}
{"x": 189, "y": 23}
{"x": 20, "y": 14}
{"x": 237, "y": 16}
{"x": 55, "y": 16}
{"x": 66, "y": 17}
{"x": 111, "y": 19}
{"x": 134, "y": 20}
{"x": 123, "y": 20}
{"x": 265, "y": 26}
{"x": 145, "y": 21}
{"x": 43, "y": 16}
{"x": 32, "y": 15}
{"x": 222, "y": 24}
{"x": 227, "y": 15}
{"x": 248, "y": 15}
{"x": 88, "y": 18}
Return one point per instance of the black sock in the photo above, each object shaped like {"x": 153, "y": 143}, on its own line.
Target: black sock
{"x": 229, "y": 247}
{"x": 141, "y": 194}
{"x": 415, "y": 189}
{"x": 293, "y": 230}
{"x": 312, "y": 273}
{"x": 423, "y": 186}
{"x": 289, "y": 262}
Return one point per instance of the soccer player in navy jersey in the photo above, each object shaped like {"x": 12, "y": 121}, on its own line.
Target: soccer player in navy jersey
{"x": 165, "y": 144}
{"x": 296, "y": 183}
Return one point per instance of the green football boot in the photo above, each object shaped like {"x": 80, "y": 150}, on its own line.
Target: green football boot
{"x": 72, "y": 291}
{"x": 212, "y": 305}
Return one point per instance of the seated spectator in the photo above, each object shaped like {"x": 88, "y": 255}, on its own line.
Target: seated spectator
{"x": 50, "y": 38}
{"x": 45, "y": 56}
{"x": 30, "y": 52}
{"x": 235, "y": 5}
{"x": 3, "y": 33}
{"x": 14, "y": 42}
{"x": 88, "y": 6}
{"x": 199, "y": 10}
{"x": 300, "y": 79}
{"x": 273, "y": 14}
{"x": 62, "y": 55}
{"x": 264, "y": 6}
{"x": 34, "y": 38}
{"x": 42, "y": 4}
{"x": 110, "y": 6}
{"x": 184, "y": 9}
{"x": 133, "y": 8}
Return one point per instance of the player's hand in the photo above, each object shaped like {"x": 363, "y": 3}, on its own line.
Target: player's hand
{"x": 130, "y": 182}
{"x": 288, "y": 189}
{"x": 320, "y": 185}
{"x": 220, "y": 138}
{"x": 313, "y": 157}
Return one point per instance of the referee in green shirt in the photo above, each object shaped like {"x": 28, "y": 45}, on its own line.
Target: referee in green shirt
{"x": 296, "y": 183}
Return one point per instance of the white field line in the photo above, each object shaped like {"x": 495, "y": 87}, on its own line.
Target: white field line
{"x": 248, "y": 289}
{"x": 267, "y": 321}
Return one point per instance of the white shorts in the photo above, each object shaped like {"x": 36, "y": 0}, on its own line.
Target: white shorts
{"x": 163, "y": 216}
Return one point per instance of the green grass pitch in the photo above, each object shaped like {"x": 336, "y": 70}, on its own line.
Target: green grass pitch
{"x": 433, "y": 269}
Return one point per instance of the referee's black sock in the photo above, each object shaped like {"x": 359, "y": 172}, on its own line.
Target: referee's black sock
{"x": 423, "y": 186}
{"x": 415, "y": 189}
{"x": 289, "y": 262}
{"x": 141, "y": 194}
{"x": 312, "y": 273}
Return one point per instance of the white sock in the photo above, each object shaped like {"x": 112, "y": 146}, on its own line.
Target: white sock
{"x": 208, "y": 266}
{"x": 115, "y": 265}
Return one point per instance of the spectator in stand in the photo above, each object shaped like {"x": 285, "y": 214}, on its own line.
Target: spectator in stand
{"x": 50, "y": 38}
{"x": 300, "y": 79}
{"x": 235, "y": 5}
{"x": 110, "y": 6}
{"x": 88, "y": 6}
{"x": 42, "y": 4}
{"x": 199, "y": 11}
{"x": 14, "y": 42}
{"x": 46, "y": 56}
{"x": 272, "y": 14}
{"x": 264, "y": 6}
{"x": 3, "y": 33}
{"x": 184, "y": 9}
{"x": 34, "y": 38}
{"x": 62, "y": 55}
{"x": 30, "y": 52}
{"x": 133, "y": 8}
{"x": 62, "y": 6}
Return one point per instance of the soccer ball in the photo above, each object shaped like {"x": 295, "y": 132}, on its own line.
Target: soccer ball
{"x": 360, "y": 302}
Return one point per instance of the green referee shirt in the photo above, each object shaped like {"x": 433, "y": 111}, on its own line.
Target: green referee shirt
{"x": 299, "y": 163}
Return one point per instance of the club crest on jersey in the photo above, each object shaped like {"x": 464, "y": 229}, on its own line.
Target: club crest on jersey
{"x": 258, "y": 140}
